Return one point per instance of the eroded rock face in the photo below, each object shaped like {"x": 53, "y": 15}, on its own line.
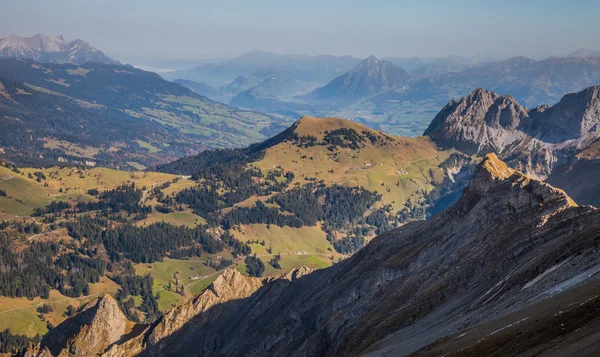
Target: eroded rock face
{"x": 532, "y": 141}
{"x": 88, "y": 333}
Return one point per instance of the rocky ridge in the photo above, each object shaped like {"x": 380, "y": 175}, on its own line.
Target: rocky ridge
{"x": 531, "y": 140}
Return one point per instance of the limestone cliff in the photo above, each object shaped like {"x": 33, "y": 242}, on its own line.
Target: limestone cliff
{"x": 533, "y": 141}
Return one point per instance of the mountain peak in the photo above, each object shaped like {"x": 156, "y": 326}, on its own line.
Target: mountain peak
{"x": 89, "y": 332}
{"x": 534, "y": 140}
{"x": 371, "y": 60}
{"x": 369, "y": 77}
{"x": 478, "y": 122}
{"x": 490, "y": 171}
{"x": 52, "y": 49}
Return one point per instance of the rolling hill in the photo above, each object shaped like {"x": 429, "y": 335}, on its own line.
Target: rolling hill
{"x": 112, "y": 115}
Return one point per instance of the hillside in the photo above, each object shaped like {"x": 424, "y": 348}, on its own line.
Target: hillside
{"x": 531, "y": 140}
{"x": 112, "y": 115}
{"x": 337, "y": 151}
{"x": 371, "y": 76}
{"x": 336, "y": 181}
{"x": 200, "y": 88}
{"x": 442, "y": 281}
{"x": 52, "y": 49}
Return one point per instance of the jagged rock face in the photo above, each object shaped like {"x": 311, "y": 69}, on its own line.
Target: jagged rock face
{"x": 52, "y": 49}
{"x": 88, "y": 333}
{"x": 501, "y": 247}
{"x": 102, "y": 329}
{"x": 577, "y": 115}
{"x": 482, "y": 122}
{"x": 532, "y": 141}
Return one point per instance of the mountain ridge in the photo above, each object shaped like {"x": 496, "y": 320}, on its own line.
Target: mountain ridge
{"x": 52, "y": 49}
{"x": 532, "y": 140}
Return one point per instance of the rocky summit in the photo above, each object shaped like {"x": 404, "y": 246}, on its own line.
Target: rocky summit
{"x": 509, "y": 243}
{"x": 532, "y": 140}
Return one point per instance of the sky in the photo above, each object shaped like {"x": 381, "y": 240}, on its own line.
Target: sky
{"x": 204, "y": 29}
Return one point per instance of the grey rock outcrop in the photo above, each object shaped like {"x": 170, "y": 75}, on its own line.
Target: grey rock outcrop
{"x": 532, "y": 141}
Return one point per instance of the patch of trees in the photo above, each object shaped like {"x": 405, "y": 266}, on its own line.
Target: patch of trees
{"x": 162, "y": 208}
{"x": 33, "y": 271}
{"x": 208, "y": 158}
{"x": 123, "y": 198}
{"x": 2, "y": 193}
{"x": 254, "y": 266}
{"x": 151, "y": 243}
{"x": 275, "y": 261}
{"x": 349, "y": 244}
{"x": 135, "y": 285}
{"x": 344, "y": 138}
{"x": 259, "y": 213}
{"x": 237, "y": 183}
{"x": 16, "y": 344}
{"x": 53, "y": 207}
{"x": 219, "y": 264}
{"x": 338, "y": 206}
{"x": 383, "y": 219}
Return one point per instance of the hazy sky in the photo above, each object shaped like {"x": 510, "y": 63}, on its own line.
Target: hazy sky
{"x": 198, "y": 28}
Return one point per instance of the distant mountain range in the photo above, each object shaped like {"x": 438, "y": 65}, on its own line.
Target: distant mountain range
{"x": 585, "y": 52}
{"x": 531, "y": 82}
{"x": 112, "y": 115}
{"x": 52, "y": 49}
{"x": 378, "y": 93}
{"x": 312, "y": 69}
